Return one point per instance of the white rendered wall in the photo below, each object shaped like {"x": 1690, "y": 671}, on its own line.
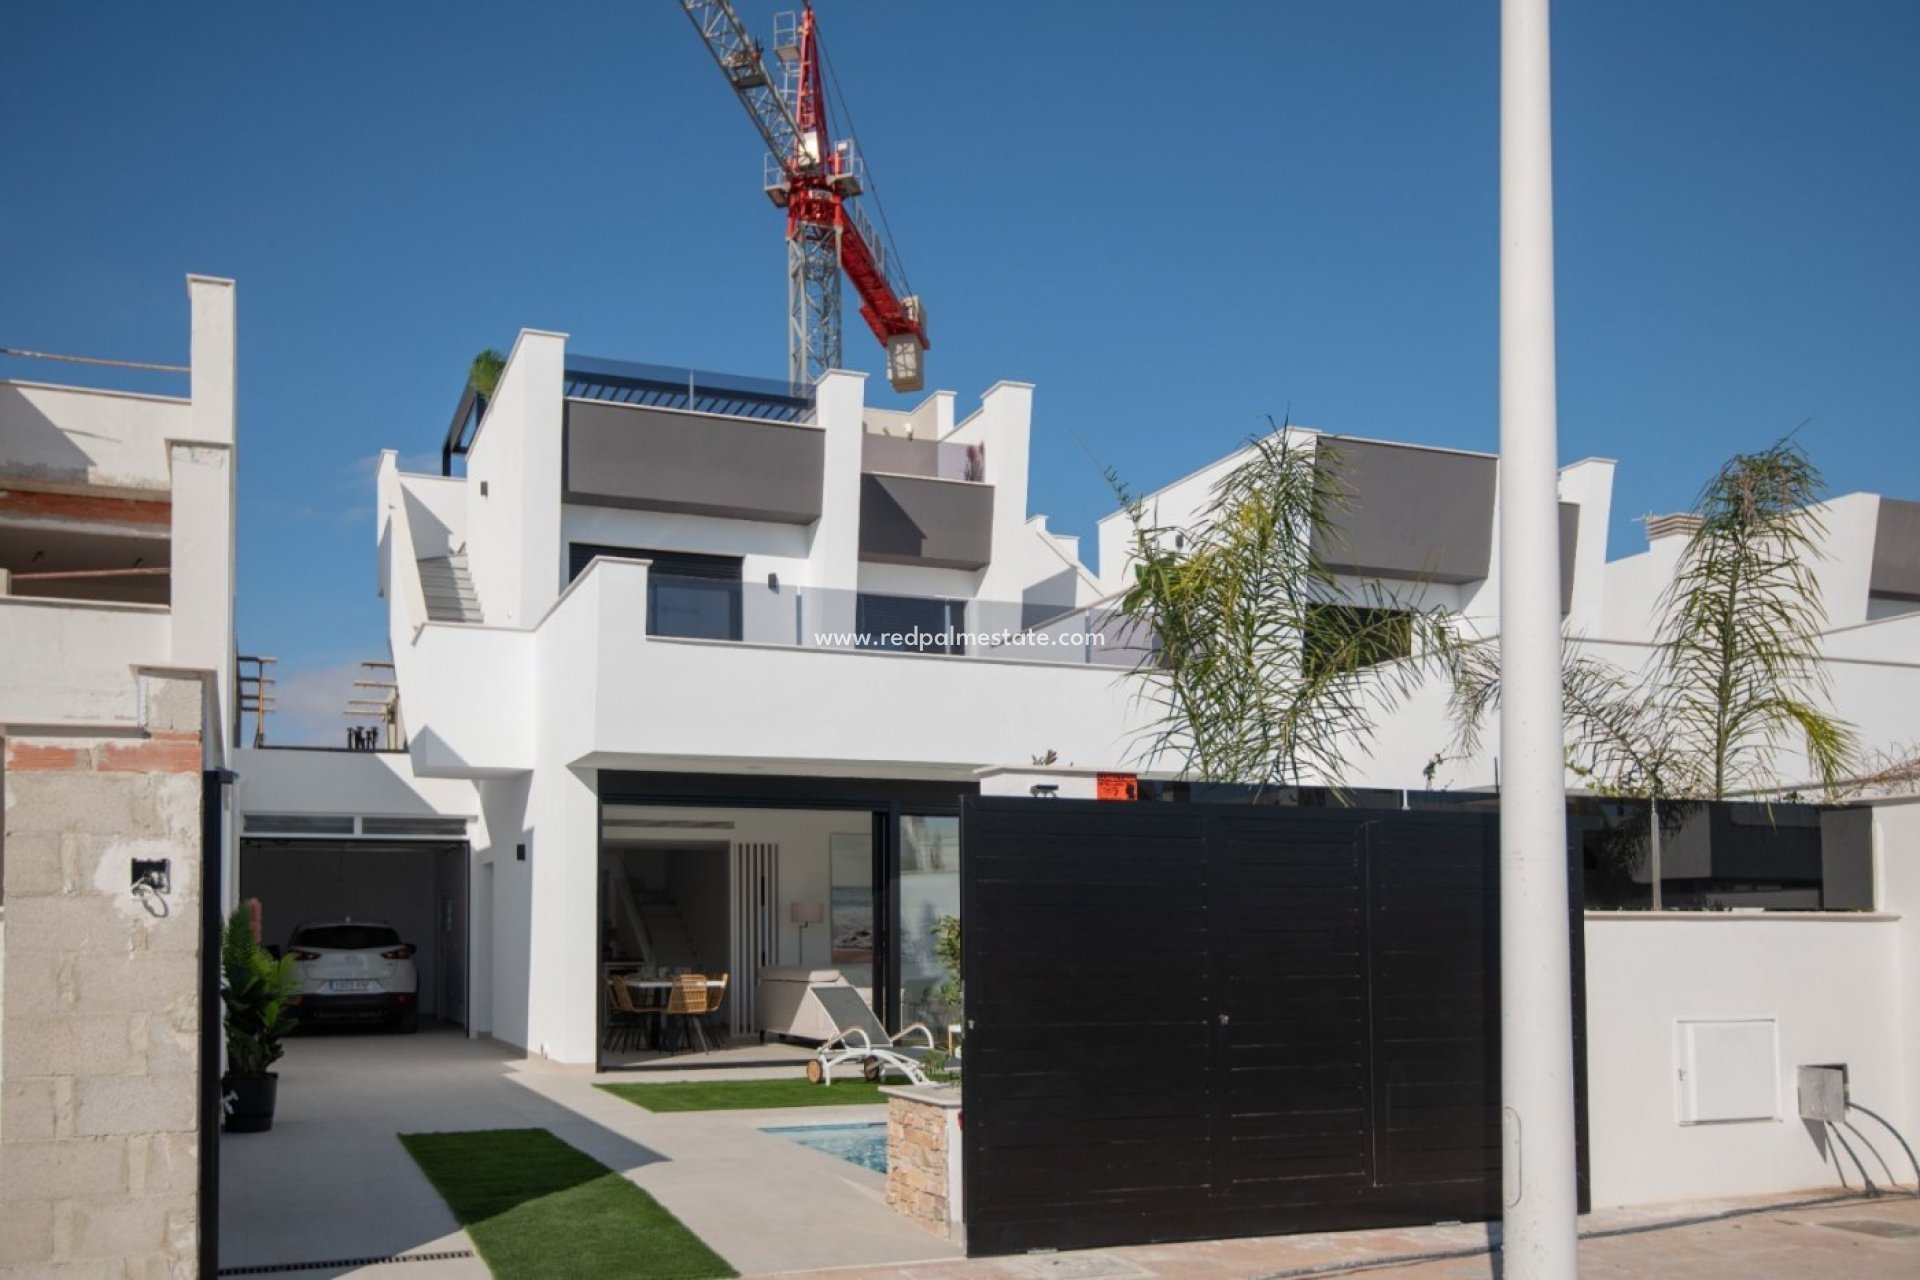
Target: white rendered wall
{"x": 1054, "y": 559}
{"x": 205, "y": 485}
{"x": 71, "y": 663}
{"x": 440, "y": 666}
{"x": 1589, "y": 482}
{"x": 364, "y": 783}
{"x": 1844, "y": 569}
{"x": 1003, "y": 426}
{"x": 109, "y": 440}
{"x": 834, "y": 555}
{"x": 897, "y": 714}
{"x": 513, "y": 532}
{"x": 437, "y": 511}
{"x": 503, "y": 932}
{"x": 563, "y": 819}
{"x": 1896, "y": 838}
{"x": 1832, "y": 983}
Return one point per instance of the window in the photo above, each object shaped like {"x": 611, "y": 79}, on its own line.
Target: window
{"x": 346, "y": 937}
{"x": 920, "y": 624}
{"x": 1344, "y": 637}
{"x": 692, "y": 597}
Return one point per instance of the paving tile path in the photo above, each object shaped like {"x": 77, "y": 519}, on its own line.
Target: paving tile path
{"x": 331, "y": 1184}
{"x": 1854, "y": 1240}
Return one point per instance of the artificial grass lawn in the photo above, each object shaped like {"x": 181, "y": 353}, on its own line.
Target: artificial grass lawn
{"x": 538, "y": 1208}
{"x": 741, "y": 1095}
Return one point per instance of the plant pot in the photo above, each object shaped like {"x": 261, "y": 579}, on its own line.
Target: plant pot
{"x": 250, "y": 1099}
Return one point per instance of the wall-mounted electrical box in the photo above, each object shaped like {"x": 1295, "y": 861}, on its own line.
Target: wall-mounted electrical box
{"x": 1726, "y": 1070}
{"x": 1823, "y": 1092}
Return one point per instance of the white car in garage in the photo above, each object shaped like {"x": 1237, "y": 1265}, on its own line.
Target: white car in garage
{"x": 355, "y": 969}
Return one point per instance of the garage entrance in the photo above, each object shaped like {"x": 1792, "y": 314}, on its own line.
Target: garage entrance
{"x": 417, "y": 886}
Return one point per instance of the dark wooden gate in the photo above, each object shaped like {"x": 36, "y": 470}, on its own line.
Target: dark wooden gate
{"x": 1189, "y": 1021}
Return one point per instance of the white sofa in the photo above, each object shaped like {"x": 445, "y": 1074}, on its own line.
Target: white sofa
{"x": 781, "y": 1006}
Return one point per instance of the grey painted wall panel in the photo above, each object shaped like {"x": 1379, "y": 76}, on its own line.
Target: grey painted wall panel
{"x": 1896, "y": 550}
{"x": 943, "y": 523}
{"x": 696, "y": 464}
{"x": 1410, "y": 513}
{"x": 1569, "y": 544}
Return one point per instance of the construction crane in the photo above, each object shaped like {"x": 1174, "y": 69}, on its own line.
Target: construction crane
{"x": 815, "y": 178}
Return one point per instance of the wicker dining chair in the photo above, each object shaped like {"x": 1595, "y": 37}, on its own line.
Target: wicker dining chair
{"x": 716, "y": 1002}
{"x": 688, "y": 1002}
{"x": 623, "y": 1018}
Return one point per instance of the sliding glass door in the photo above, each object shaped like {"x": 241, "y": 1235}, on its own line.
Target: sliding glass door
{"x": 929, "y": 887}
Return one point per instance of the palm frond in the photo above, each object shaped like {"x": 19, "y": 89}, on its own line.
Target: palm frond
{"x": 1739, "y": 669}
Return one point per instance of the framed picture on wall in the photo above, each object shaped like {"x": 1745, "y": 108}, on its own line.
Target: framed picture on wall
{"x": 851, "y": 860}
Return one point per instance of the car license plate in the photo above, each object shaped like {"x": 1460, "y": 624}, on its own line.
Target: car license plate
{"x": 348, "y": 984}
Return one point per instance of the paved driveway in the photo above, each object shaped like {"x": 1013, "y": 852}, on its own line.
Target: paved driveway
{"x": 1719, "y": 1240}
{"x": 331, "y": 1184}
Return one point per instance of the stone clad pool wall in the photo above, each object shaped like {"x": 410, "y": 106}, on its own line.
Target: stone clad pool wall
{"x": 923, "y": 1157}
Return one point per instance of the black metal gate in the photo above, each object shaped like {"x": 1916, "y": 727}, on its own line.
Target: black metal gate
{"x": 1189, "y": 1022}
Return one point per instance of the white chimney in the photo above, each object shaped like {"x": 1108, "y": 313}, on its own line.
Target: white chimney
{"x": 1681, "y": 524}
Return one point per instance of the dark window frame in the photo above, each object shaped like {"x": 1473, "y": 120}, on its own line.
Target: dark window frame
{"x": 671, "y": 569}
{"x": 1361, "y": 615}
{"x": 951, "y": 621}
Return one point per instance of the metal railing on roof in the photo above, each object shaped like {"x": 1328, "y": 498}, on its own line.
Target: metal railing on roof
{"x": 658, "y": 386}
{"x": 672, "y": 387}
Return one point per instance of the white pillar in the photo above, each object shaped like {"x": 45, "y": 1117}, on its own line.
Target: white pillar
{"x": 1536, "y": 1017}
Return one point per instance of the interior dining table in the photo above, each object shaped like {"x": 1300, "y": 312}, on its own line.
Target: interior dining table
{"x": 653, "y": 993}
{"x": 637, "y": 983}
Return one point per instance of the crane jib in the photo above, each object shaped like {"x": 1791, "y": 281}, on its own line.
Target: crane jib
{"x": 816, "y": 178}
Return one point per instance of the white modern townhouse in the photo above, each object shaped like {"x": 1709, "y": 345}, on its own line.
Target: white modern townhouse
{"x": 116, "y": 709}
{"x": 692, "y": 673}
{"x": 718, "y": 663}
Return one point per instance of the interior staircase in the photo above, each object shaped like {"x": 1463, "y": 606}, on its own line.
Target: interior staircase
{"x": 667, "y": 936}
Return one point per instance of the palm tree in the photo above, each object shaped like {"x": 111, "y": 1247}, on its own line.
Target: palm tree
{"x": 1265, "y": 668}
{"x": 1739, "y": 639}
{"x": 1736, "y": 671}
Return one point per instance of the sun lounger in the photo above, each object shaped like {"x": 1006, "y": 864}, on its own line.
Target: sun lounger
{"x": 860, "y": 1039}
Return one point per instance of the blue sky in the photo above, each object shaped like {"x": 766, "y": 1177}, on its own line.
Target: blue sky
{"x": 1173, "y": 218}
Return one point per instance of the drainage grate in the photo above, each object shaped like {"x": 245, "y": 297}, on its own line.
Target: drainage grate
{"x": 341, "y": 1264}
{"x": 1876, "y": 1227}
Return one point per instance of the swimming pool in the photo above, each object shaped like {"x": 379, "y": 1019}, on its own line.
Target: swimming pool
{"x": 861, "y": 1144}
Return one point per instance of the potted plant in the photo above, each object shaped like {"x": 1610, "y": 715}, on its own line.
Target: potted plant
{"x": 254, "y": 987}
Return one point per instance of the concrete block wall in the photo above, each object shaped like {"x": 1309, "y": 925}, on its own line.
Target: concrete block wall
{"x": 99, "y": 999}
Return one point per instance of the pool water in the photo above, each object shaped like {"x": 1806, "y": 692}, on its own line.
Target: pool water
{"x": 861, "y": 1144}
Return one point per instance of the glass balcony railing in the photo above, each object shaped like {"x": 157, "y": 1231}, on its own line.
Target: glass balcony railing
{"x": 929, "y": 459}
{"x": 774, "y": 613}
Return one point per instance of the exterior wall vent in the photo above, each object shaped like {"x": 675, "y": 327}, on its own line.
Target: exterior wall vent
{"x": 298, "y": 824}
{"x": 455, "y": 827}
